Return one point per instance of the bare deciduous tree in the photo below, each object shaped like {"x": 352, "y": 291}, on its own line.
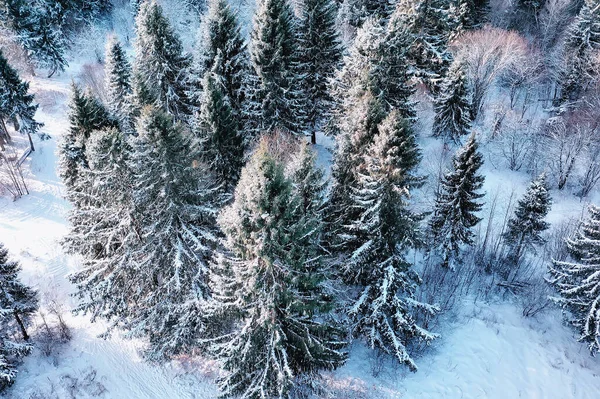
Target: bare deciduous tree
{"x": 488, "y": 53}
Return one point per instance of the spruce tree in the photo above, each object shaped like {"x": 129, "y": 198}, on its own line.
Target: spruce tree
{"x": 452, "y": 106}
{"x": 161, "y": 66}
{"x": 583, "y": 37}
{"x": 221, "y": 48}
{"x": 220, "y": 132}
{"x": 118, "y": 82}
{"x": 39, "y": 27}
{"x": 273, "y": 52}
{"x": 16, "y": 103}
{"x": 11, "y": 353}
{"x": 102, "y": 199}
{"x": 359, "y": 111}
{"x": 383, "y": 310}
{"x": 16, "y": 299}
{"x": 428, "y": 28}
{"x": 320, "y": 55}
{"x": 578, "y": 278}
{"x": 392, "y": 73}
{"x": 524, "y": 229}
{"x": 456, "y": 204}
{"x": 159, "y": 263}
{"x": 274, "y": 261}
{"x": 361, "y": 10}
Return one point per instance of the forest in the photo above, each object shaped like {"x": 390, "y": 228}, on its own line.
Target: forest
{"x": 279, "y": 196}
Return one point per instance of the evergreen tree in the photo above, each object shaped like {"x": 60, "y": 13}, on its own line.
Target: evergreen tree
{"x": 220, "y": 133}
{"x": 17, "y": 304}
{"x": 274, "y": 57}
{"x": 16, "y": 103}
{"x": 16, "y": 299}
{"x": 320, "y": 55}
{"x": 118, "y": 82}
{"x": 38, "y": 24}
{"x": 282, "y": 296}
{"x": 160, "y": 67}
{"x": 221, "y": 48}
{"x": 383, "y": 310}
{"x": 456, "y": 203}
{"x": 583, "y": 37}
{"x": 361, "y": 10}
{"x": 358, "y": 113}
{"x": 160, "y": 261}
{"x": 428, "y": 28}
{"x": 452, "y": 106}
{"x": 577, "y": 281}
{"x": 392, "y": 74}
{"x": 11, "y": 352}
{"x": 525, "y": 228}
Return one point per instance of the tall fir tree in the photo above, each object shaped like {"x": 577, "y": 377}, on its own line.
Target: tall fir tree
{"x": 582, "y": 38}
{"x": 118, "y": 83}
{"x": 456, "y": 204}
{"x": 383, "y": 311}
{"x": 275, "y": 263}
{"x": 392, "y": 74}
{"x": 39, "y": 26}
{"x": 577, "y": 280}
{"x": 220, "y": 47}
{"x": 274, "y": 58}
{"x": 526, "y": 226}
{"x": 18, "y": 303}
{"x": 161, "y": 66}
{"x": 428, "y": 28}
{"x": 16, "y": 299}
{"x": 453, "y": 106}
{"x": 361, "y": 10}
{"x": 165, "y": 246}
{"x": 16, "y": 103}
{"x": 220, "y": 132}
{"x": 320, "y": 55}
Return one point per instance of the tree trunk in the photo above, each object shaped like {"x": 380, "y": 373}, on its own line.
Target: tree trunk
{"x": 21, "y": 325}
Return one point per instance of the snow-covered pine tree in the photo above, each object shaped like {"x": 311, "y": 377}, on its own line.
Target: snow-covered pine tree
{"x": 274, "y": 57}
{"x": 456, "y": 204}
{"x": 583, "y": 36}
{"x": 320, "y": 54}
{"x": 453, "y": 105}
{"x": 463, "y": 15}
{"x": 102, "y": 199}
{"x": 11, "y": 352}
{"x": 16, "y": 299}
{"x": 38, "y": 25}
{"x": 308, "y": 180}
{"x": 174, "y": 208}
{"x": 361, "y": 10}
{"x": 578, "y": 278}
{"x": 72, "y": 149}
{"x": 525, "y": 228}
{"x": 16, "y": 103}
{"x": 428, "y": 28}
{"x": 220, "y": 42}
{"x": 392, "y": 73}
{"x": 161, "y": 66}
{"x": 118, "y": 83}
{"x": 220, "y": 132}
{"x": 357, "y": 116}
{"x": 383, "y": 310}
{"x": 275, "y": 263}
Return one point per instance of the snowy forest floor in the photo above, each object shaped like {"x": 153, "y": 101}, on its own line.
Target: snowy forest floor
{"x": 487, "y": 350}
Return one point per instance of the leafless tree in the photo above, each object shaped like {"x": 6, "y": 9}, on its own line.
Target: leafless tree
{"x": 567, "y": 141}
{"x": 488, "y": 53}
